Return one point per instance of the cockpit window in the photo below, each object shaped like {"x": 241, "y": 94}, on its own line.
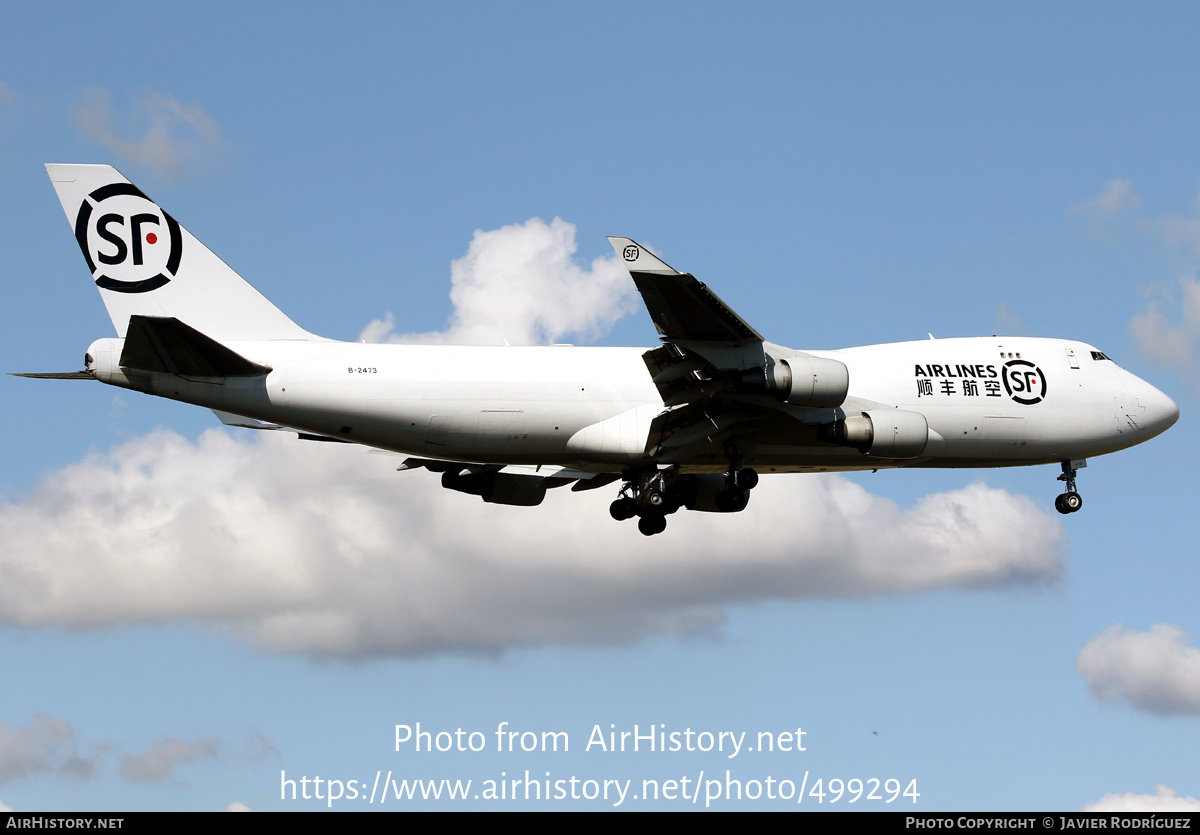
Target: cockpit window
{"x": 1098, "y": 355}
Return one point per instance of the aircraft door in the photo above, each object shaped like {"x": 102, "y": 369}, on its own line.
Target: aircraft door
{"x": 499, "y": 431}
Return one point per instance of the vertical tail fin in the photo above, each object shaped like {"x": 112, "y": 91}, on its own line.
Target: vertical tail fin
{"x": 146, "y": 264}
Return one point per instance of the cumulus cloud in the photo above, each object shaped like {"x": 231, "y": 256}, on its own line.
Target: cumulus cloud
{"x": 259, "y": 747}
{"x": 162, "y": 135}
{"x": 1155, "y": 671}
{"x": 238, "y": 806}
{"x": 323, "y": 549}
{"x": 164, "y": 755}
{"x": 1117, "y": 198}
{"x": 1183, "y": 232}
{"x": 1168, "y": 333}
{"x": 48, "y": 746}
{"x": 1163, "y": 800}
{"x": 521, "y": 284}
{"x": 1007, "y": 322}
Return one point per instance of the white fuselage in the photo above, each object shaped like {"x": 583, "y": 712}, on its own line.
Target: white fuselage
{"x": 988, "y": 401}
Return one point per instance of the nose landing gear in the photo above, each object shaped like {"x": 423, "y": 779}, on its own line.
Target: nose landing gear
{"x": 1070, "y": 501}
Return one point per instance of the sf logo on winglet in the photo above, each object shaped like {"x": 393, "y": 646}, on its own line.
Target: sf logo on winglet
{"x": 131, "y": 245}
{"x": 1024, "y": 382}
{"x": 631, "y": 253}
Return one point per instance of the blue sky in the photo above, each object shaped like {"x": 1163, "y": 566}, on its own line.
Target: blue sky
{"x": 840, "y": 175}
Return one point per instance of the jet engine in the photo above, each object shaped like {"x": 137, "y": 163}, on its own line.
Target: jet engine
{"x": 802, "y": 381}
{"x": 499, "y": 488}
{"x": 708, "y": 492}
{"x": 886, "y": 433}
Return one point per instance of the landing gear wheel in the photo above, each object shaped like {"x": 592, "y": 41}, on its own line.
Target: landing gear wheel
{"x": 747, "y": 479}
{"x": 652, "y": 498}
{"x": 1068, "y": 502}
{"x": 622, "y": 509}
{"x": 652, "y": 523}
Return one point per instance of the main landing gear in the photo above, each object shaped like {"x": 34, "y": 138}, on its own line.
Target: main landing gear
{"x": 653, "y": 495}
{"x": 1070, "y": 501}
{"x": 645, "y": 495}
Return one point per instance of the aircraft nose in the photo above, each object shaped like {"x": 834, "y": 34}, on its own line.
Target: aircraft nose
{"x": 1161, "y": 411}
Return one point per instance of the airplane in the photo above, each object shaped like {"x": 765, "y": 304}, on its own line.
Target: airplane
{"x": 688, "y": 424}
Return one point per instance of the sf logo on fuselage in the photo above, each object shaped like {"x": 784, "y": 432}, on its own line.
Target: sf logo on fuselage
{"x": 131, "y": 245}
{"x": 1024, "y": 382}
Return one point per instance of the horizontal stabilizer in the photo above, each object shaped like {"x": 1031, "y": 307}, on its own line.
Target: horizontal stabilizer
{"x": 166, "y": 344}
{"x": 58, "y": 375}
{"x": 230, "y": 419}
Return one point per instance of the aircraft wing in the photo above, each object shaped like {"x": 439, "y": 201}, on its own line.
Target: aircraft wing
{"x": 680, "y": 306}
{"x": 547, "y": 476}
{"x": 707, "y": 349}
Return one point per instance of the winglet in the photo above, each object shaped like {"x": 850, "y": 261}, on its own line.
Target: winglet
{"x": 638, "y": 259}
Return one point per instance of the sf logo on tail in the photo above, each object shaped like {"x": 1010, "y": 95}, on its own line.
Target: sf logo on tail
{"x": 131, "y": 245}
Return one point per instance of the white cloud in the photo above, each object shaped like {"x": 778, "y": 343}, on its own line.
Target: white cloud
{"x": 1116, "y": 198}
{"x": 1163, "y": 800}
{"x": 4, "y": 808}
{"x": 8, "y": 99}
{"x": 46, "y": 747}
{"x": 238, "y": 806}
{"x": 1172, "y": 341}
{"x": 1168, "y": 332}
{"x": 520, "y": 283}
{"x": 259, "y": 747}
{"x": 162, "y": 135}
{"x": 163, "y": 756}
{"x": 322, "y": 549}
{"x": 1007, "y": 322}
{"x": 1155, "y": 671}
{"x": 1182, "y": 231}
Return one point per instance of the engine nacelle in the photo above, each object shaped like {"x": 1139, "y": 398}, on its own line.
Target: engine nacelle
{"x": 803, "y": 381}
{"x": 499, "y": 488}
{"x": 886, "y": 433}
{"x": 701, "y": 492}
